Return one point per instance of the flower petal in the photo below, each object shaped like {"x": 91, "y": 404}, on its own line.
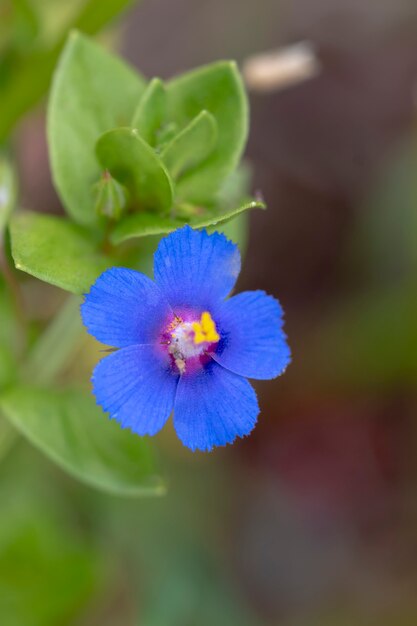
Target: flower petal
{"x": 137, "y": 387}
{"x": 252, "y": 343}
{"x": 212, "y": 407}
{"x": 124, "y": 307}
{"x": 195, "y": 269}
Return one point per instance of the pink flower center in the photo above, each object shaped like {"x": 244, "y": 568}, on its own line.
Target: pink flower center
{"x": 190, "y": 343}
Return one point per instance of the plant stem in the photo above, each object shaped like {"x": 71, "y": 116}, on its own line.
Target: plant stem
{"x": 56, "y": 345}
{"x": 15, "y": 293}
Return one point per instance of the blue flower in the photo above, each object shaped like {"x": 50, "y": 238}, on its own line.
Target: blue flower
{"x": 182, "y": 345}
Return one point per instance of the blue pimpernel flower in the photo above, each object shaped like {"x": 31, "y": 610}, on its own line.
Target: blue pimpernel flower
{"x": 182, "y": 345}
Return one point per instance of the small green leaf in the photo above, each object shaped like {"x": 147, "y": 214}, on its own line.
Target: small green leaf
{"x": 151, "y": 112}
{"x": 56, "y": 251}
{"x": 69, "y": 428}
{"x": 92, "y": 92}
{"x": 192, "y": 145}
{"x": 143, "y": 224}
{"x": 135, "y": 165}
{"x": 217, "y": 88}
{"x": 166, "y": 134}
{"x": 8, "y": 191}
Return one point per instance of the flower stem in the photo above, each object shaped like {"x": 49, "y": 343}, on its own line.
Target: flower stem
{"x": 15, "y": 293}
{"x": 54, "y": 348}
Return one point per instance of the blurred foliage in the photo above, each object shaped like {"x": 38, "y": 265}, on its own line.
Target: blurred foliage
{"x": 378, "y": 316}
{"x": 386, "y": 239}
{"x": 45, "y": 576}
{"x": 70, "y": 555}
{"x": 48, "y": 572}
{"x": 382, "y": 346}
{"x": 181, "y": 545}
{"x": 32, "y": 34}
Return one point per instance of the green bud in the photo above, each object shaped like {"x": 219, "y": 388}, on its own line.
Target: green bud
{"x": 111, "y": 197}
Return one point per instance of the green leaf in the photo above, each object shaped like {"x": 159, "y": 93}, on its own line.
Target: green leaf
{"x": 217, "y": 88}
{"x": 143, "y": 224}
{"x": 69, "y": 428}
{"x": 192, "y": 145}
{"x": 135, "y": 165}
{"x": 8, "y": 191}
{"x": 151, "y": 112}
{"x": 55, "y": 250}
{"x": 92, "y": 92}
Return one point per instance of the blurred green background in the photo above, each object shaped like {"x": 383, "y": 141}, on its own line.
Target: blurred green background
{"x": 312, "y": 521}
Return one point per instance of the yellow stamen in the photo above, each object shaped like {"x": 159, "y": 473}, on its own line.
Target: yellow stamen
{"x": 205, "y": 330}
{"x": 175, "y": 322}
